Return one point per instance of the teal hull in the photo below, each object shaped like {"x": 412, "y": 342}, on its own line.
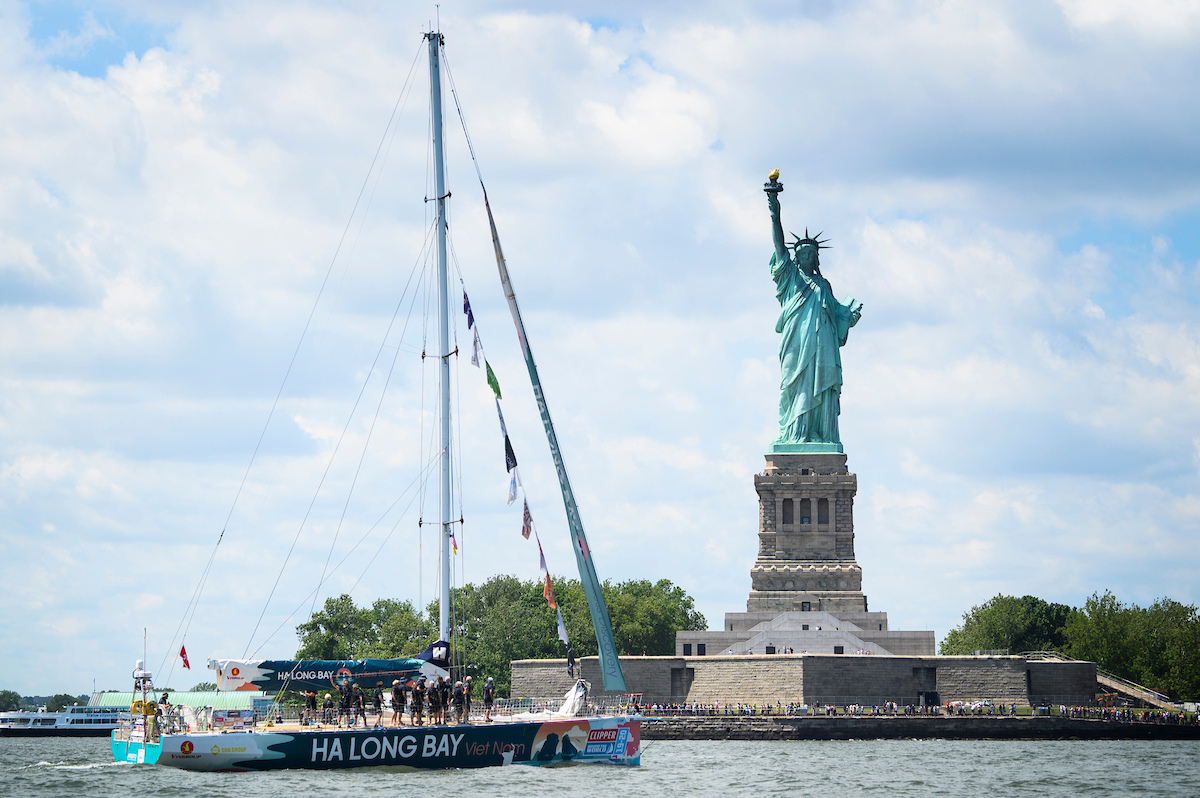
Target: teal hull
{"x": 135, "y": 753}
{"x": 611, "y": 740}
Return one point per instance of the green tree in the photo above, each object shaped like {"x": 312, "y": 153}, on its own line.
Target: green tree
{"x": 501, "y": 620}
{"x": 646, "y": 616}
{"x": 398, "y": 630}
{"x": 1006, "y": 622}
{"x": 61, "y": 701}
{"x": 204, "y": 687}
{"x": 1101, "y": 632}
{"x": 1171, "y": 651}
{"x": 387, "y": 629}
{"x": 10, "y": 700}
{"x": 338, "y": 631}
{"x": 1156, "y": 646}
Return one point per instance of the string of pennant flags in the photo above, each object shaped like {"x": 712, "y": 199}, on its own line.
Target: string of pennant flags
{"x": 514, "y": 482}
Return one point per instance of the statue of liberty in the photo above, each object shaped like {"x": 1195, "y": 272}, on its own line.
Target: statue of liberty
{"x": 814, "y": 327}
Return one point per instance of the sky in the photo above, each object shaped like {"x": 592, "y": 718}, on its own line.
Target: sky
{"x": 1012, "y": 189}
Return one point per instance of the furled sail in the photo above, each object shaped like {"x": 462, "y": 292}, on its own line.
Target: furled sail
{"x": 610, "y": 666}
{"x": 272, "y": 675}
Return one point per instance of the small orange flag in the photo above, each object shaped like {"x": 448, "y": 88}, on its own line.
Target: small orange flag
{"x": 548, "y": 592}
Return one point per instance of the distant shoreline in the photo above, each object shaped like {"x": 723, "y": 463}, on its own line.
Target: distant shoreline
{"x": 734, "y": 727}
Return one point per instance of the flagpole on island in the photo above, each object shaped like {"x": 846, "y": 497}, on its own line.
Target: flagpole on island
{"x": 435, "y": 88}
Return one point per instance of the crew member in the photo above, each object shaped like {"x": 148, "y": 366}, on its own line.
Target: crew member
{"x": 459, "y": 700}
{"x": 344, "y": 695}
{"x": 397, "y": 703}
{"x": 418, "y": 701}
{"x": 359, "y": 702}
{"x": 377, "y": 703}
{"x": 435, "y": 702}
{"x": 489, "y": 695}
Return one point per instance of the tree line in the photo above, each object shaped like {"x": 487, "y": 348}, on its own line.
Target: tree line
{"x": 1156, "y": 646}
{"x": 11, "y": 701}
{"x": 501, "y": 620}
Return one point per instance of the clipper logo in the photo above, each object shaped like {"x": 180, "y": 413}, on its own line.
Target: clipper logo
{"x": 602, "y": 736}
{"x": 187, "y": 747}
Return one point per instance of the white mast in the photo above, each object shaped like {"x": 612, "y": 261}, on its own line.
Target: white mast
{"x": 435, "y": 84}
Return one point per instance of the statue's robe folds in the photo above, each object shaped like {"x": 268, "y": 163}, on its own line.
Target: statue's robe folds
{"x": 814, "y": 327}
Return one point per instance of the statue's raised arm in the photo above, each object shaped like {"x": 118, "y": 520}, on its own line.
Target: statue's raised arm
{"x": 773, "y": 187}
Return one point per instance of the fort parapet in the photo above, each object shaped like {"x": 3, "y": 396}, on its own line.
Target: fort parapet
{"x": 818, "y": 679}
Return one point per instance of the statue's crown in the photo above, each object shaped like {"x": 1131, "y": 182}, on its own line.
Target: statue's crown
{"x": 809, "y": 241}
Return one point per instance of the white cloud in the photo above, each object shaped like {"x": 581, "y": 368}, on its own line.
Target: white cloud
{"x": 1171, "y": 19}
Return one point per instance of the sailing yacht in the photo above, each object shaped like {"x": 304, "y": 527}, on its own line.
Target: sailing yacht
{"x": 177, "y": 739}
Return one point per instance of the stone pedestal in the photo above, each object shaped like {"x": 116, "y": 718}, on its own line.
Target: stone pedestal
{"x": 806, "y": 536}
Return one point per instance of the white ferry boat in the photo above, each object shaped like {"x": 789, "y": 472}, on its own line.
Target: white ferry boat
{"x": 71, "y": 722}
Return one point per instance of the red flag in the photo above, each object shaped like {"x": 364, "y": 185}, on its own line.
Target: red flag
{"x": 183, "y": 653}
{"x": 548, "y": 593}
{"x": 526, "y": 523}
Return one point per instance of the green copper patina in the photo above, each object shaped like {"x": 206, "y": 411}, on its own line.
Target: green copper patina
{"x": 814, "y": 327}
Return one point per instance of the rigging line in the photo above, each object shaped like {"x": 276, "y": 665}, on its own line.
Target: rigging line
{"x": 190, "y": 611}
{"x": 401, "y": 103}
{"x": 421, "y": 455}
{"x": 463, "y": 120}
{"x": 405, "y": 95}
{"x": 199, "y": 586}
{"x": 328, "y": 466}
{"x": 462, "y": 527}
{"x": 371, "y": 431}
{"x": 388, "y": 537}
{"x": 354, "y": 548}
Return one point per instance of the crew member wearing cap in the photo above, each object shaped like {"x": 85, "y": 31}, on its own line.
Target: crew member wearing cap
{"x": 397, "y": 703}
{"x": 458, "y": 702}
{"x": 377, "y": 703}
{"x": 359, "y": 703}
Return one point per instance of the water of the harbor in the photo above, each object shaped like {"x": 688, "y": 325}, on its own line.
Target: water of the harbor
{"x": 84, "y": 768}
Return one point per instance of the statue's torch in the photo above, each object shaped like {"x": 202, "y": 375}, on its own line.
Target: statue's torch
{"x": 773, "y": 186}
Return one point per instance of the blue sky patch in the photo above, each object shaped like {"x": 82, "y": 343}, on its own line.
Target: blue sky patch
{"x": 89, "y": 37}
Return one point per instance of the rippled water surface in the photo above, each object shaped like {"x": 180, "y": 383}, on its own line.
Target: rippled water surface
{"x": 84, "y": 767}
